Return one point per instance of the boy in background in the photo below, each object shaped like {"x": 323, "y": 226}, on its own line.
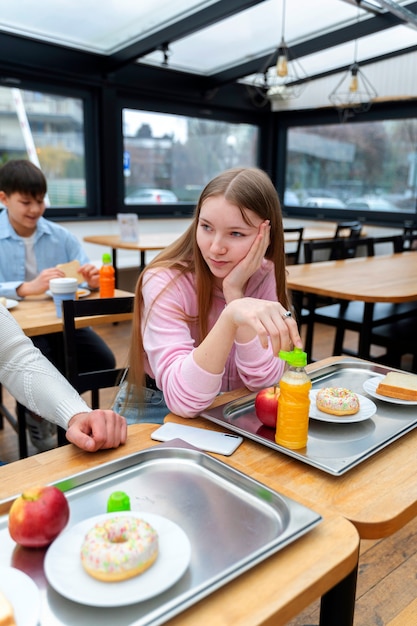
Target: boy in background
{"x": 30, "y": 249}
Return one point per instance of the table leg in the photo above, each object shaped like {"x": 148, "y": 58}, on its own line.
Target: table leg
{"x": 142, "y": 261}
{"x": 365, "y": 333}
{"x": 114, "y": 261}
{"x": 338, "y": 605}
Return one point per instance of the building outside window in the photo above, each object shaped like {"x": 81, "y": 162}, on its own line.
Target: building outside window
{"x": 48, "y": 130}
{"x": 361, "y": 166}
{"x": 170, "y": 158}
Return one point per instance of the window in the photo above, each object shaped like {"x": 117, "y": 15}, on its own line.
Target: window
{"x": 170, "y": 158}
{"x": 48, "y": 130}
{"x": 363, "y": 167}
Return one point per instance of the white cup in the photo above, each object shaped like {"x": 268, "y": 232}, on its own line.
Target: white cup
{"x": 63, "y": 289}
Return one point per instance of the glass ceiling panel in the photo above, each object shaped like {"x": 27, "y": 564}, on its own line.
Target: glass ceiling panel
{"x": 103, "y": 27}
{"x": 254, "y": 32}
{"x": 110, "y": 25}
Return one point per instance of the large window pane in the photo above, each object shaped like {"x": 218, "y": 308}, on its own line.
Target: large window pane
{"x": 169, "y": 158}
{"x": 48, "y": 130}
{"x": 366, "y": 166}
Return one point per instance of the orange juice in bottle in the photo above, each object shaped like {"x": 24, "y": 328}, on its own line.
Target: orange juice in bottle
{"x": 107, "y": 277}
{"x": 294, "y": 402}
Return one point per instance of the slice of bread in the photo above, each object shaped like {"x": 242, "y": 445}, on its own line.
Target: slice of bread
{"x": 6, "y": 612}
{"x": 71, "y": 270}
{"x": 3, "y": 300}
{"x": 398, "y": 385}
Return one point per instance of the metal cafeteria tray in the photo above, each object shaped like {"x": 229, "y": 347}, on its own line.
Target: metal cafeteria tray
{"x": 332, "y": 447}
{"x": 232, "y": 522}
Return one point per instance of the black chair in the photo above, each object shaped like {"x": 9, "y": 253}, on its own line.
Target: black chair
{"x": 292, "y": 257}
{"x": 399, "y": 338}
{"x": 351, "y": 230}
{"x": 111, "y": 310}
{"x": 349, "y": 315}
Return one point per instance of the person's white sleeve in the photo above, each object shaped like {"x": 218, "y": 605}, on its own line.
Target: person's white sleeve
{"x": 32, "y": 379}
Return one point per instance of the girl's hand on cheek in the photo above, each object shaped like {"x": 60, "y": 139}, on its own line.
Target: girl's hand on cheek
{"x": 234, "y": 283}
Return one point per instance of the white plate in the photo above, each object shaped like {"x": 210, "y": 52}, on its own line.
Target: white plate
{"x": 367, "y": 408}
{"x": 10, "y": 304}
{"x": 66, "y": 575}
{"x": 81, "y": 293}
{"x": 23, "y": 594}
{"x": 370, "y": 386}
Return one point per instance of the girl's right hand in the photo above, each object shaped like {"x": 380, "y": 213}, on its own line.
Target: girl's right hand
{"x": 264, "y": 318}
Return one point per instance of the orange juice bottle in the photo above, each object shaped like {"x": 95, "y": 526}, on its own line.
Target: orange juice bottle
{"x": 294, "y": 402}
{"x": 107, "y": 278}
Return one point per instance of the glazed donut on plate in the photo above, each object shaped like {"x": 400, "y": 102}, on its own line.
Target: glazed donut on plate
{"x": 119, "y": 548}
{"x": 337, "y": 401}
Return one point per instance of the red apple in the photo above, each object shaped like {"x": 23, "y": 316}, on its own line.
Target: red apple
{"x": 266, "y": 405}
{"x": 38, "y": 516}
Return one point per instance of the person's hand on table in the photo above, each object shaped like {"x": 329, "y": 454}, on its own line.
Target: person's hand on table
{"x": 97, "y": 430}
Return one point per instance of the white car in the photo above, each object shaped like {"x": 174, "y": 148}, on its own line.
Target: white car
{"x": 151, "y": 196}
{"x": 373, "y": 203}
{"x": 324, "y": 203}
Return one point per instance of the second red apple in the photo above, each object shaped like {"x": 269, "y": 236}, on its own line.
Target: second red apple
{"x": 266, "y": 405}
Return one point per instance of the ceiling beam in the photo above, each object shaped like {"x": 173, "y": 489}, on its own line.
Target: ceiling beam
{"x": 178, "y": 29}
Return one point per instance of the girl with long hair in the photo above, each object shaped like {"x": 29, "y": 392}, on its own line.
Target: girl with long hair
{"x": 212, "y": 310}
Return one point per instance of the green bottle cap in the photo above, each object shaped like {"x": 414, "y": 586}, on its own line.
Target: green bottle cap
{"x": 106, "y": 258}
{"x": 118, "y": 501}
{"x": 296, "y": 358}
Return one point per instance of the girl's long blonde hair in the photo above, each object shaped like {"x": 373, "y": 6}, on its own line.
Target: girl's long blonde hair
{"x": 246, "y": 188}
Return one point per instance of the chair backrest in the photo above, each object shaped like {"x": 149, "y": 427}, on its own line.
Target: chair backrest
{"x": 351, "y": 229}
{"x": 111, "y": 310}
{"x": 332, "y": 249}
{"x": 345, "y": 247}
{"x": 292, "y": 257}
{"x": 409, "y": 235}
{"x": 388, "y": 243}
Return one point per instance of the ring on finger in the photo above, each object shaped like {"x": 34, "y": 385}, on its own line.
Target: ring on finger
{"x": 286, "y": 315}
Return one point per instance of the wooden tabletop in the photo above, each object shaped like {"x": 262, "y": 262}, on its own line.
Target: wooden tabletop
{"x": 151, "y": 241}
{"x": 383, "y": 278}
{"x": 36, "y": 315}
{"x": 379, "y": 496}
{"x": 271, "y": 593}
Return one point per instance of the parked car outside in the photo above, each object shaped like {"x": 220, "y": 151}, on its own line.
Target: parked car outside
{"x": 151, "y": 196}
{"x": 371, "y": 203}
{"x": 291, "y": 198}
{"x": 324, "y": 203}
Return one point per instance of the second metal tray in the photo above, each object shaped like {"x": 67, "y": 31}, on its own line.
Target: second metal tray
{"x": 332, "y": 447}
{"x": 232, "y": 522}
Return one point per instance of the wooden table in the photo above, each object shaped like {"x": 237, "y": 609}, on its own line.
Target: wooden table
{"x": 36, "y": 315}
{"x": 322, "y": 563}
{"x": 144, "y": 244}
{"x": 384, "y": 278}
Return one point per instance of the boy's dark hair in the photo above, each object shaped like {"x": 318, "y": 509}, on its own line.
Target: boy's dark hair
{"x": 22, "y": 176}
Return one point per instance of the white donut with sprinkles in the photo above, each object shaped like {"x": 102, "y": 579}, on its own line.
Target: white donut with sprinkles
{"x": 118, "y": 548}
{"x": 337, "y": 401}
